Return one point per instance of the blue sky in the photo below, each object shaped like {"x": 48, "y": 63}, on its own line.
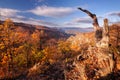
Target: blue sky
{"x": 59, "y": 13}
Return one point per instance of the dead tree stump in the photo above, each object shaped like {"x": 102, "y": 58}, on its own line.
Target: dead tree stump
{"x": 98, "y": 59}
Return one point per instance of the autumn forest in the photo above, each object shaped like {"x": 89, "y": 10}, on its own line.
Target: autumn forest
{"x": 46, "y": 43}
{"x": 29, "y": 52}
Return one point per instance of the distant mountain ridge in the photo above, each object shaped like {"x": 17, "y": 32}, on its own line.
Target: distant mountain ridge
{"x": 68, "y": 30}
{"x": 74, "y": 30}
{"x": 49, "y": 32}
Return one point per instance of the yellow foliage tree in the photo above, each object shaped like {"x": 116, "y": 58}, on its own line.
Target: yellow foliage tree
{"x": 7, "y": 43}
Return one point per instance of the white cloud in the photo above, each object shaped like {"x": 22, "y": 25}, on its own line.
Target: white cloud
{"x": 33, "y": 21}
{"x": 113, "y": 17}
{"x": 13, "y": 14}
{"x": 6, "y": 12}
{"x": 40, "y": 0}
{"x": 41, "y": 22}
{"x": 82, "y": 20}
{"x": 10, "y": 13}
{"x": 79, "y": 22}
{"x": 51, "y": 11}
{"x": 115, "y": 13}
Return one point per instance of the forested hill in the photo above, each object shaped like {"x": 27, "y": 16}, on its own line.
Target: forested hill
{"x": 49, "y": 32}
{"x": 23, "y": 45}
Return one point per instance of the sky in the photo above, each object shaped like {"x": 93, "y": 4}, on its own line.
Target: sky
{"x": 59, "y": 13}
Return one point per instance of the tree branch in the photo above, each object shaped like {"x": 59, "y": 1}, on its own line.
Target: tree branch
{"x": 93, "y": 16}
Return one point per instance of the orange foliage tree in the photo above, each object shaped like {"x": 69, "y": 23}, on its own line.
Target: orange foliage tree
{"x": 7, "y": 41}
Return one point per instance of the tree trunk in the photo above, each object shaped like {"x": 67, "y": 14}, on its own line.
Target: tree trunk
{"x": 101, "y": 36}
{"x": 98, "y": 61}
{"x": 97, "y": 29}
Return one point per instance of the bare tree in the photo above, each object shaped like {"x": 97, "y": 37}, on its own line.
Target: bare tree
{"x": 101, "y": 36}
{"x": 93, "y": 16}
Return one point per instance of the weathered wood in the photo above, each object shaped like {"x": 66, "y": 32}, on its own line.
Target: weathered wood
{"x": 106, "y": 33}
{"x": 101, "y": 36}
{"x": 106, "y": 28}
{"x": 96, "y": 61}
{"x": 93, "y": 16}
{"x": 104, "y": 42}
{"x": 97, "y": 29}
